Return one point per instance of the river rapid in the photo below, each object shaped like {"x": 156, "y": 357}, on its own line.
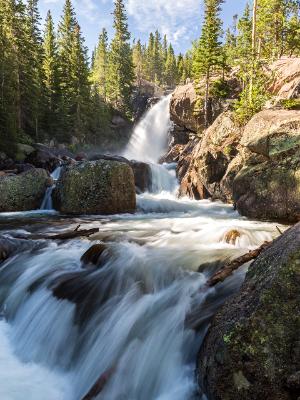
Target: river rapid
{"x": 139, "y": 320}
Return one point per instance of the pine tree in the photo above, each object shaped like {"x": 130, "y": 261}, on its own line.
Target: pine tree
{"x": 157, "y": 58}
{"x": 208, "y": 55}
{"x": 100, "y": 65}
{"x": 79, "y": 78}
{"x": 51, "y": 77}
{"x": 138, "y": 61}
{"x": 171, "y": 68}
{"x": 121, "y": 69}
{"x": 9, "y": 78}
{"x": 150, "y": 59}
{"x": 66, "y": 30}
{"x": 33, "y": 96}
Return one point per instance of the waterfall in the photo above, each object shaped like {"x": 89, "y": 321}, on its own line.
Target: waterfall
{"x": 47, "y": 201}
{"x": 150, "y": 137}
{"x": 149, "y": 142}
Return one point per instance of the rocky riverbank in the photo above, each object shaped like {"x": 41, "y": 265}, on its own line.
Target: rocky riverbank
{"x": 255, "y": 166}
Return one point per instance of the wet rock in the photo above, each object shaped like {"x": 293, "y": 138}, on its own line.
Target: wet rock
{"x": 23, "y": 192}
{"x": 179, "y": 136}
{"x": 43, "y": 157}
{"x": 232, "y": 236}
{"x": 173, "y": 155}
{"x": 142, "y": 176}
{"x": 6, "y": 163}
{"x": 24, "y": 168}
{"x": 93, "y": 254}
{"x": 97, "y": 187}
{"x": 250, "y": 351}
{"x": 81, "y": 157}
{"x": 141, "y": 170}
{"x": 10, "y": 246}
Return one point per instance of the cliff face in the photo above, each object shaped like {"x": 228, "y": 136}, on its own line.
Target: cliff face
{"x": 256, "y": 166}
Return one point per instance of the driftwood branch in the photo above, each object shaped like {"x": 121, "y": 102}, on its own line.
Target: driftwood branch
{"x": 228, "y": 269}
{"x": 68, "y": 235}
{"x": 74, "y": 234}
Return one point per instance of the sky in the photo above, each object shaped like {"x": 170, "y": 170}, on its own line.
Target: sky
{"x": 179, "y": 19}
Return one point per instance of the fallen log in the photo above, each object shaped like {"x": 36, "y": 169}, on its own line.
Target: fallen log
{"x": 67, "y": 235}
{"x": 74, "y": 234}
{"x": 232, "y": 266}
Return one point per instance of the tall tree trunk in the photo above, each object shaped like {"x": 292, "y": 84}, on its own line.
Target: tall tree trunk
{"x": 254, "y": 34}
{"x": 206, "y": 121}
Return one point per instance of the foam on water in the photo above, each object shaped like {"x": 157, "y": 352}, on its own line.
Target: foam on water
{"x": 137, "y": 321}
{"x": 20, "y": 381}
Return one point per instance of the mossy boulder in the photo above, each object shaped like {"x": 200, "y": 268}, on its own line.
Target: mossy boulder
{"x": 96, "y": 187}
{"x": 252, "y": 349}
{"x": 23, "y": 192}
{"x": 269, "y": 190}
{"x": 268, "y": 185}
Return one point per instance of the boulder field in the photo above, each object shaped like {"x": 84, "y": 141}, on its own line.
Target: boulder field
{"x": 256, "y": 167}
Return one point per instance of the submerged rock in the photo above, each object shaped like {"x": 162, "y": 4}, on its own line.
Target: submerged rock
{"x": 23, "y": 192}
{"x": 93, "y": 254}
{"x": 252, "y": 349}
{"x": 97, "y": 187}
{"x": 142, "y": 176}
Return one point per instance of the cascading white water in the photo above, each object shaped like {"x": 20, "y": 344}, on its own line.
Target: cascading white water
{"x": 136, "y": 321}
{"x": 149, "y": 142}
{"x": 150, "y": 136}
{"x": 47, "y": 202}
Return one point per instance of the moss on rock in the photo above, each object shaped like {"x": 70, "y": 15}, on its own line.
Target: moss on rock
{"x": 97, "y": 187}
{"x": 23, "y": 192}
{"x": 252, "y": 350}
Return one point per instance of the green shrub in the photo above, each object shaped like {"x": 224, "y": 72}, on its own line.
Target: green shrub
{"x": 291, "y": 104}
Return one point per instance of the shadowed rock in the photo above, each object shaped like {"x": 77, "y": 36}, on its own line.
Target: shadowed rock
{"x": 252, "y": 350}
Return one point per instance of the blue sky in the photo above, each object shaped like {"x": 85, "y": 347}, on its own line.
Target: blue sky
{"x": 179, "y": 19}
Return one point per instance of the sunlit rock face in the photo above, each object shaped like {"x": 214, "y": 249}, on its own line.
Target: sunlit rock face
{"x": 252, "y": 348}
{"x": 268, "y": 185}
{"x": 96, "y": 187}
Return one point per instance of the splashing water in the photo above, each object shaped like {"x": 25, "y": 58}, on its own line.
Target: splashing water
{"x": 136, "y": 322}
{"x": 47, "y": 202}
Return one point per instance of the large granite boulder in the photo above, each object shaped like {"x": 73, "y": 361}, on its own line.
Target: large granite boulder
{"x": 96, "y": 187}
{"x": 285, "y": 74}
{"x": 187, "y": 103}
{"x": 142, "y": 171}
{"x": 23, "y": 192}
{"x": 210, "y": 159}
{"x": 252, "y": 349}
{"x": 268, "y": 185}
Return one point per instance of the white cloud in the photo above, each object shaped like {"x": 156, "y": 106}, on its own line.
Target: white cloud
{"x": 85, "y": 8}
{"x": 175, "y": 18}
